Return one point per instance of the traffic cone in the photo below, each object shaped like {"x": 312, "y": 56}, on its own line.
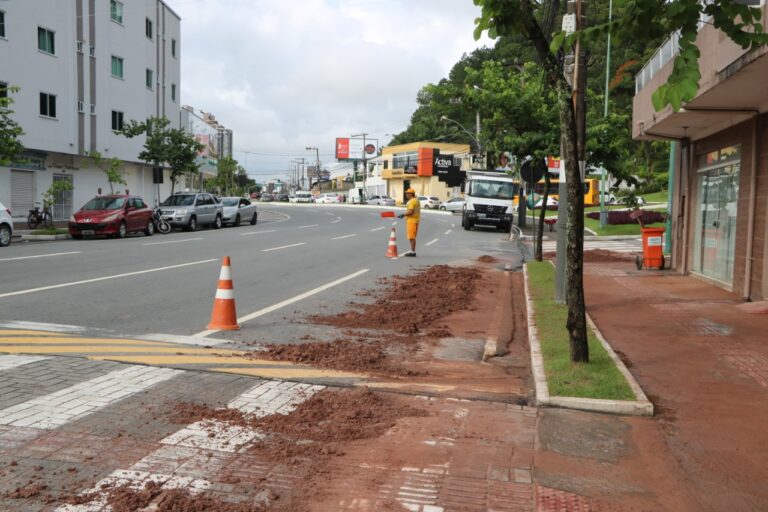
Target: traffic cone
{"x": 224, "y": 317}
{"x": 392, "y": 249}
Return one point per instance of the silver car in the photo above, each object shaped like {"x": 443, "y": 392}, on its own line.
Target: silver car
{"x": 190, "y": 210}
{"x": 238, "y": 209}
{"x": 454, "y": 204}
{"x": 6, "y": 226}
{"x": 381, "y": 200}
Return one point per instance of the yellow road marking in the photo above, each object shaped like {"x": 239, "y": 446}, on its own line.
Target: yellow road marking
{"x": 86, "y": 341}
{"x": 37, "y": 333}
{"x": 184, "y": 359}
{"x": 117, "y": 349}
{"x": 290, "y": 373}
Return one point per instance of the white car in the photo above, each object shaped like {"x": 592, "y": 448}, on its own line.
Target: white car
{"x": 454, "y": 204}
{"x": 6, "y": 226}
{"x": 302, "y": 196}
{"x": 238, "y": 209}
{"x": 429, "y": 202}
{"x": 381, "y": 200}
{"x": 328, "y": 199}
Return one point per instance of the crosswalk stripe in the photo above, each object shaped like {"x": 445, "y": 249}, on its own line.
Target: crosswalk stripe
{"x": 8, "y": 362}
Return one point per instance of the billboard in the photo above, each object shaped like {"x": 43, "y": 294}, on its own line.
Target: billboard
{"x": 348, "y": 148}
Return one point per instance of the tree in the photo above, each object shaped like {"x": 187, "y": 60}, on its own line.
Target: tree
{"x": 10, "y": 130}
{"x": 110, "y": 167}
{"x": 165, "y": 145}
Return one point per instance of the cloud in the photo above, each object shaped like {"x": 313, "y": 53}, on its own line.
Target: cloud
{"x": 286, "y": 75}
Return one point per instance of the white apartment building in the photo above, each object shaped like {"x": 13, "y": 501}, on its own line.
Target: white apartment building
{"x": 84, "y": 68}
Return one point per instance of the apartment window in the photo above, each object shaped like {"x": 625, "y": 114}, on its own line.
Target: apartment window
{"x": 117, "y": 67}
{"x": 92, "y": 51}
{"x": 149, "y": 80}
{"x": 2, "y": 23}
{"x": 117, "y": 120}
{"x": 116, "y": 11}
{"x": 148, "y": 28}
{"x": 173, "y": 92}
{"x": 173, "y": 48}
{"x": 81, "y": 107}
{"x": 47, "y": 105}
{"x": 79, "y": 47}
{"x": 45, "y": 40}
{"x": 93, "y": 109}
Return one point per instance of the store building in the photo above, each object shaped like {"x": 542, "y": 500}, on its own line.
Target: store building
{"x": 719, "y": 180}
{"x": 413, "y": 166}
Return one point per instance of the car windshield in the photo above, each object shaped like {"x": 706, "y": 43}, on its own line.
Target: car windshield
{"x": 435, "y": 198}
{"x": 104, "y": 203}
{"x": 493, "y": 189}
{"x": 180, "y": 200}
{"x": 230, "y": 201}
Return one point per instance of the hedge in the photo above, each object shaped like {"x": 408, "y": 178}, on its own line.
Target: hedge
{"x": 622, "y": 217}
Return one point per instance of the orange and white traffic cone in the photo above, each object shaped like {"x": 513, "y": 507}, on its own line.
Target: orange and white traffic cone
{"x": 224, "y": 317}
{"x": 392, "y": 249}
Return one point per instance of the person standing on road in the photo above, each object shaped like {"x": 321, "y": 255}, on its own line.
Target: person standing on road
{"x": 412, "y": 216}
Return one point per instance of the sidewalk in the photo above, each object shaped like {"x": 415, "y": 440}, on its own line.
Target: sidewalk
{"x": 703, "y": 361}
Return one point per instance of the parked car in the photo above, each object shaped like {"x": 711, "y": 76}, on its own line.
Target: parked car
{"x": 266, "y": 198}
{"x": 429, "y": 202}
{"x": 283, "y": 198}
{"x": 190, "y": 210}
{"x": 6, "y": 226}
{"x": 381, "y": 200}
{"x": 454, "y": 204}
{"x": 303, "y": 196}
{"x": 328, "y": 199}
{"x": 255, "y": 195}
{"x": 237, "y": 209}
{"x": 113, "y": 215}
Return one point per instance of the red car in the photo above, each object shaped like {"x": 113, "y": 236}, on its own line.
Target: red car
{"x": 114, "y": 215}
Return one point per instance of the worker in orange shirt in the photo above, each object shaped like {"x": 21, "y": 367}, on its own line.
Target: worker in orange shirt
{"x": 412, "y": 216}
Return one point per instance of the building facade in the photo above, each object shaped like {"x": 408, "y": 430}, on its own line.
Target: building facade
{"x": 410, "y": 166}
{"x": 84, "y": 69}
{"x": 719, "y": 183}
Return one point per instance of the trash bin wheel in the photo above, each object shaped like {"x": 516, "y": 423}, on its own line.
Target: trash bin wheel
{"x": 661, "y": 267}
{"x": 639, "y": 262}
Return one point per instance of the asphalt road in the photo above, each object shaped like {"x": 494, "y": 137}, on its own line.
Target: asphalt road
{"x": 297, "y": 260}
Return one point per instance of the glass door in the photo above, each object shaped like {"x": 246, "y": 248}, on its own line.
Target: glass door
{"x": 716, "y": 223}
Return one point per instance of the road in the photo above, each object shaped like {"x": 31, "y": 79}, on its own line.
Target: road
{"x": 296, "y": 261}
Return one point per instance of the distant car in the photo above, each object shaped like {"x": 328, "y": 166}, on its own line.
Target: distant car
{"x": 190, "y": 210}
{"x": 113, "y": 215}
{"x": 328, "y": 199}
{"x": 302, "y": 196}
{"x": 381, "y": 200}
{"x": 625, "y": 200}
{"x": 454, "y": 204}
{"x": 238, "y": 209}
{"x": 283, "y": 198}
{"x": 265, "y": 198}
{"x": 6, "y": 226}
{"x": 429, "y": 202}
{"x": 551, "y": 202}
{"x": 255, "y": 195}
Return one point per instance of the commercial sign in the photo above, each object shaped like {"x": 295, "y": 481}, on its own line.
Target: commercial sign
{"x": 348, "y": 148}
{"x": 446, "y": 170}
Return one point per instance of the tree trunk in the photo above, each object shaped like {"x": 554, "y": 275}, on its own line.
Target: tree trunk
{"x": 542, "y": 215}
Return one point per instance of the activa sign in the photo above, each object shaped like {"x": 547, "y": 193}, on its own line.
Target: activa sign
{"x": 442, "y": 162}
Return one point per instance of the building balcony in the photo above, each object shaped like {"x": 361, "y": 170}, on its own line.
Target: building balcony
{"x": 731, "y": 89}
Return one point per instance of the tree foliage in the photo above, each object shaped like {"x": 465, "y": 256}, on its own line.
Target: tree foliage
{"x": 111, "y": 167}
{"x": 10, "y": 130}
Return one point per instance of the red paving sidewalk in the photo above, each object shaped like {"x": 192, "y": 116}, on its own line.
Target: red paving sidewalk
{"x": 703, "y": 361}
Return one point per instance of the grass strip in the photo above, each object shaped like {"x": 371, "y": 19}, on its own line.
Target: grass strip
{"x": 597, "y": 379}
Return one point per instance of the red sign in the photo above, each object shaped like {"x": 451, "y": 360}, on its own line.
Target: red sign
{"x": 553, "y": 163}
{"x": 342, "y": 148}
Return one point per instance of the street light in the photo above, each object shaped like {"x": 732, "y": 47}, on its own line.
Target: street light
{"x": 476, "y": 139}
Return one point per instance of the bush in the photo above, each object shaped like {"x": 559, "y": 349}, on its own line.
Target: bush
{"x": 622, "y": 217}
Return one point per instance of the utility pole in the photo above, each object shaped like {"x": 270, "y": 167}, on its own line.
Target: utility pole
{"x": 317, "y": 164}
{"x": 365, "y": 165}
{"x": 603, "y": 174}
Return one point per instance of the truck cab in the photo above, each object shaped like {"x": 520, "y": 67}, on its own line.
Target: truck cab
{"x": 489, "y": 199}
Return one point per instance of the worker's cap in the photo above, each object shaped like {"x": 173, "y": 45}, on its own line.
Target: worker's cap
{"x": 410, "y": 191}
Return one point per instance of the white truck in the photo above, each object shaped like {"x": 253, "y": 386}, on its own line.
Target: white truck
{"x": 489, "y": 199}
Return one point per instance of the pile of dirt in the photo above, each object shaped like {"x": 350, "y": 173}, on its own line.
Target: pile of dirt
{"x": 184, "y": 413}
{"x": 31, "y": 490}
{"x": 359, "y": 356}
{"x": 603, "y": 256}
{"x": 412, "y": 303}
{"x": 487, "y": 259}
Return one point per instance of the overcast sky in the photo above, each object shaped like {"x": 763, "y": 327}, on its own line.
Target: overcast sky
{"x": 284, "y": 75}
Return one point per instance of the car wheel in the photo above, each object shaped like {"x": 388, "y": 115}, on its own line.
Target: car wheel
{"x": 254, "y": 219}
{"x": 639, "y": 262}
{"x": 150, "y": 228}
{"x": 442, "y": 208}
{"x": 5, "y": 236}
{"x": 77, "y": 237}
{"x": 217, "y": 222}
{"x": 192, "y": 224}
{"x": 122, "y": 230}
{"x": 237, "y": 220}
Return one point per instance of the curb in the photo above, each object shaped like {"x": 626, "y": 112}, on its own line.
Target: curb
{"x": 496, "y": 344}
{"x": 44, "y": 237}
{"x": 639, "y": 407}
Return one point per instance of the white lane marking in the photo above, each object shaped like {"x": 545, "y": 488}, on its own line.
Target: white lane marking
{"x": 378, "y": 229}
{"x": 39, "y": 256}
{"x": 105, "y": 278}
{"x": 394, "y": 224}
{"x": 175, "y": 241}
{"x": 453, "y": 225}
{"x": 37, "y": 326}
{"x": 182, "y": 340}
{"x": 258, "y": 232}
{"x": 8, "y": 362}
{"x": 310, "y": 226}
{"x": 448, "y": 232}
{"x": 345, "y": 236}
{"x": 283, "y": 247}
{"x": 335, "y": 221}
{"x": 290, "y": 301}
{"x": 84, "y": 398}
{"x": 431, "y": 242}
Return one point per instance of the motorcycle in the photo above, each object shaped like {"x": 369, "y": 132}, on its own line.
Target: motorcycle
{"x": 161, "y": 225}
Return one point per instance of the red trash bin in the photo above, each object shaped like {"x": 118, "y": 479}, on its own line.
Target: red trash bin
{"x": 653, "y": 249}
